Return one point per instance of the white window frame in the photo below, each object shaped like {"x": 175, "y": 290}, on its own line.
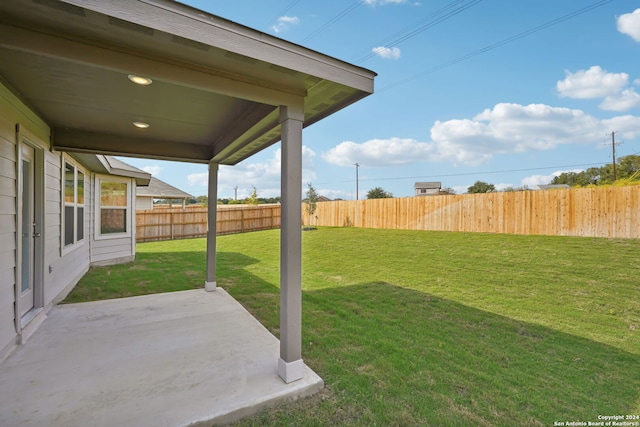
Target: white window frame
{"x": 64, "y": 204}
{"x": 98, "y": 207}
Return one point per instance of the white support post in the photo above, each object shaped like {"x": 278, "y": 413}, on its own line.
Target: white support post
{"x": 290, "y": 365}
{"x": 212, "y": 203}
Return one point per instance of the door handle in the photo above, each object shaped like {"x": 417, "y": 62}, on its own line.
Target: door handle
{"x": 36, "y": 235}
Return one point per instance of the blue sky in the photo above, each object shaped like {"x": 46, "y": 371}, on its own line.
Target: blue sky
{"x": 455, "y": 100}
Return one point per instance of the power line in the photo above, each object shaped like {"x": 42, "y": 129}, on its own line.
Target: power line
{"x": 283, "y": 11}
{"x": 470, "y": 173}
{"x": 429, "y": 21}
{"x": 501, "y": 43}
{"x": 613, "y": 149}
{"x": 333, "y": 20}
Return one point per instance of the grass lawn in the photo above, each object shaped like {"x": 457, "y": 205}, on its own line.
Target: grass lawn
{"x": 431, "y": 328}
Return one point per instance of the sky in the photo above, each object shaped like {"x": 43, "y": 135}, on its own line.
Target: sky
{"x": 507, "y": 92}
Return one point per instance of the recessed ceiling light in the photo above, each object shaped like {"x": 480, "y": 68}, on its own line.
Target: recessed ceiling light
{"x": 144, "y": 81}
{"x": 141, "y": 125}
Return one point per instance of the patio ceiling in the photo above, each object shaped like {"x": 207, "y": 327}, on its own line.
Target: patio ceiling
{"x": 216, "y": 85}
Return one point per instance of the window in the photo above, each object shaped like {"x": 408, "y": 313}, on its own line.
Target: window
{"x": 73, "y": 211}
{"x": 114, "y": 207}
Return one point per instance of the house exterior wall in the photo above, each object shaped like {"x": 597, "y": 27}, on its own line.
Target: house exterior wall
{"x": 12, "y": 113}
{"x": 63, "y": 266}
{"x": 7, "y": 230}
{"x": 427, "y": 191}
{"x": 59, "y": 268}
{"x": 118, "y": 248}
{"x": 144, "y": 203}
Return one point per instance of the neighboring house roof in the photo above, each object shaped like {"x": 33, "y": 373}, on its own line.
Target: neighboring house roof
{"x": 161, "y": 190}
{"x": 323, "y": 199}
{"x": 216, "y": 90}
{"x": 432, "y": 185}
{"x": 553, "y": 186}
{"x": 112, "y": 166}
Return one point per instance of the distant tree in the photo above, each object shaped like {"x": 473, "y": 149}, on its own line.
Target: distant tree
{"x": 628, "y": 165}
{"x": 625, "y": 168}
{"x": 591, "y": 176}
{"x": 202, "y": 200}
{"x": 512, "y": 189}
{"x": 448, "y": 190}
{"x": 311, "y": 202}
{"x": 378, "y": 193}
{"x": 269, "y": 200}
{"x": 253, "y": 198}
{"x": 568, "y": 178}
{"x": 481, "y": 187}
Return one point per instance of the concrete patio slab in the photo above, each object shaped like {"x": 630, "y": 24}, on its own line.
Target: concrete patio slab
{"x": 176, "y": 359}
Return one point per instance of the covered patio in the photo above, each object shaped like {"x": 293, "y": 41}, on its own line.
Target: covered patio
{"x": 177, "y": 359}
{"x": 159, "y": 79}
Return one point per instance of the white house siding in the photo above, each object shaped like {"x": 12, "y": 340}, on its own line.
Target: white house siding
{"x": 12, "y": 112}
{"x": 114, "y": 249}
{"x": 63, "y": 268}
{"x": 60, "y": 271}
{"x": 7, "y": 233}
{"x": 144, "y": 203}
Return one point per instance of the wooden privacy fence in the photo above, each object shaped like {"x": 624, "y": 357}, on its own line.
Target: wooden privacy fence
{"x": 612, "y": 212}
{"x": 178, "y": 223}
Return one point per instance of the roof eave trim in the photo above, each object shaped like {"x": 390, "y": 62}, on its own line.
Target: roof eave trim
{"x": 142, "y": 178}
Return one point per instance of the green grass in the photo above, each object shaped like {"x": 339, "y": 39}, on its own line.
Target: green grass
{"x": 431, "y": 328}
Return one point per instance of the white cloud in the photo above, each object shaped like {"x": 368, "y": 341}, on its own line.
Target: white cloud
{"x": 506, "y": 128}
{"x": 502, "y": 187}
{"x": 153, "y": 170}
{"x": 511, "y": 128}
{"x": 387, "y": 52}
{"x": 265, "y": 176}
{"x": 198, "y": 179}
{"x": 622, "y": 101}
{"x": 284, "y": 23}
{"x": 379, "y": 152}
{"x": 628, "y": 125}
{"x": 460, "y": 189}
{"x": 629, "y": 24}
{"x": 335, "y": 194}
{"x": 592, "y": 83}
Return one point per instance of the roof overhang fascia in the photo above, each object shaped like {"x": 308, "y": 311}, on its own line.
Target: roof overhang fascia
{"x": 261, "y": 72}
{"x": 80, "y": 141}
{"x": 193, "y": 24}
{"x": 98, "y": 163}
{"x": 141, "y": 177}
{"x": 130, "y": 62}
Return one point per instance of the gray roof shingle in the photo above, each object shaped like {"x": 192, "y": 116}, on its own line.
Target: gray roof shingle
{"x": 161, "y": 190}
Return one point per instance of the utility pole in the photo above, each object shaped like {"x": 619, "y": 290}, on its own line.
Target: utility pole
{"x": 613, "y": 149}
{"x": 357, "y": 181}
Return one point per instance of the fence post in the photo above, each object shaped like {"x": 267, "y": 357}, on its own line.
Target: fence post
{"x": 171, "y": 221}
